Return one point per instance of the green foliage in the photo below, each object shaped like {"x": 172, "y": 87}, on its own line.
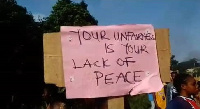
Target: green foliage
{"x": 196, "y": 72}
{"x": 139, "y": 102}
{"x": 68, "y": 13}
{"x": 21, "y": 48}
{"x": 192, "y": 63}
{"x": 183, "y": 66}
{"x": 11, "y": 13}
{"x": 174, "y": 63}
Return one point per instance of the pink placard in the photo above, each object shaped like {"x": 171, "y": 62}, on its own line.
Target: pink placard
{"x": 102, "y": 61}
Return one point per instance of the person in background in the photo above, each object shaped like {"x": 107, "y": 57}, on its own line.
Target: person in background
{"x": 151, "y": 99}
{"x": 58, "y": 105}
{"x": 160, "y": 99}
{"x": 186, "y": 86}
{"x": 49, "y": 93}
{"x": 197, "y": 96}
{"x": 171, "y": 91}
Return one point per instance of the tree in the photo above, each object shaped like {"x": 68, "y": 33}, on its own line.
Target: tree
{"x": 68, "y": 13}
{"x": 190, "y": 64}
{"x": 196, "y": 72}
{"x": 183, "y": 66}
{"x": 21, "y": 52}
{"x": 174, "y": 63}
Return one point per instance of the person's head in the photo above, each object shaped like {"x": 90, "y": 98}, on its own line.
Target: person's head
{"x": 50, "y": 91}
{"x": 173, "y": 75}
{"x": 185, "y": 84}
{"x": 198, "y": 84}
{"x": 58, "y": 105}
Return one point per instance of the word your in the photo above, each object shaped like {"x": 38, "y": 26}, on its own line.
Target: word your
{"x": 138, "y": 49}
{"x": 111, "y": 78}
{"x": 85, "y": 35}
{"x": 135, "y": 48}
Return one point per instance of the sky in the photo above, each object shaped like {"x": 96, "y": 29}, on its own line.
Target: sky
{"x": 180, "y": 16}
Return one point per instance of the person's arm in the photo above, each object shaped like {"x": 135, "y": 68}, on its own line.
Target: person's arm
{"x": 168, "y": 94}
{"x": 156, "y": 104}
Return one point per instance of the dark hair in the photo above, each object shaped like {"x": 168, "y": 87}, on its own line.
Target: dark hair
{"x": 174, "y": 72}
{"x": 179, "y": 80}
{"x": 198, "y": 83}
{"x": 51, "y": 89}
{"x": 58, "y": 104}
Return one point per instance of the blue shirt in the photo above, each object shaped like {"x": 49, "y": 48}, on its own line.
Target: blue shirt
{"x": 150, "y": 96}
{"x": 179, "y": 103}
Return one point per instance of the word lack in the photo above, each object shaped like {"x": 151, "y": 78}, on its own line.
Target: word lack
{"x": 103, "y": 63}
